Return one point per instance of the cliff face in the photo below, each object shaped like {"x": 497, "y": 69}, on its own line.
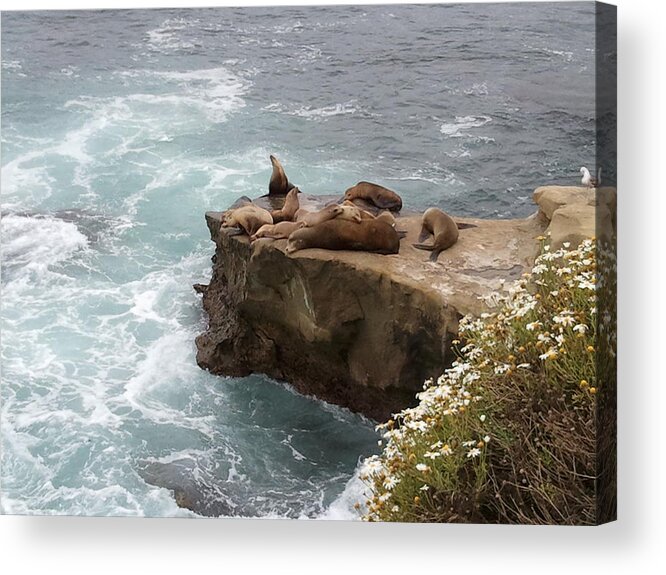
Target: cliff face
{"x": 357, "y": 329}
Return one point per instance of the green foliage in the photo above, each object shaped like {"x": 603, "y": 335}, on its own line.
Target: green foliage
{"x": 508, "y": 433}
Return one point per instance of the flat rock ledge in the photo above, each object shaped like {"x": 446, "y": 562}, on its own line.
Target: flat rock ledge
{"x": 363, "y": 330}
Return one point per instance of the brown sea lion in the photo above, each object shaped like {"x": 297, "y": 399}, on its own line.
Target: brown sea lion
{"x": 389, "y": 218}
{"x": 248, "y": 218}
{"x": 279, "y": 231}
{"x": 289, "y": 209}
{"x": 377, "y": 195}
{"x": 350, "y": 212}
{"x": 365, "y": 215}
{"x": 368, "y": 235}
{"x": 386, "y": 216}
{"x": 300, "y": 214}
{"x": 279, "y": 184}
{"x": 442, "y": 227}
{"x": 332, "y": 211}
{"x": 328, "y": 213}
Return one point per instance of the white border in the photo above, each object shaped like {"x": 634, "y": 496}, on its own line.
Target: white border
{"x": 633, "y": 544}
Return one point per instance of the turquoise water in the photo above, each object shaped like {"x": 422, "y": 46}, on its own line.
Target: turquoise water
{"x": 121, "y": 128}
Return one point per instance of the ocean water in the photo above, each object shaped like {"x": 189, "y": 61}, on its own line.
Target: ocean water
{"x": 121, "y": 128}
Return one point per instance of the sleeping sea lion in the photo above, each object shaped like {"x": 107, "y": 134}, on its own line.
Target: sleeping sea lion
{"x": 300, "y": 214}
{"x": 338, "y": 234}
{"x": 248, "y": 218}
{"x": 365, "y": 215}
{"x": 377, "y": 195}
{"x": 279, "y": 184}
{"x": 389, "y": 218}
{"x": 289, "y": 209}
{"x": 442, "y": 227}
{"x": 279, "y": 231}
{"x": 345, "y": 212}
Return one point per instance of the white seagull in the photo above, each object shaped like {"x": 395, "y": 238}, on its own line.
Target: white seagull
{"x": 587, "y": 179}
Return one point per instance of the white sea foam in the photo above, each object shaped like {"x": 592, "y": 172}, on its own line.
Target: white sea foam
{"x": 12, "y": 65}
{"x": 342, "y": 508}
{"x": 213, "y": 92}
{"x": 35, "y": 244}
{"x": 310, "y": 113}
{"x": 309, "y": 54}
{"x": 167, "y": 37}
{"x": 462, "y": 124}
{"x": 480, "y": 89}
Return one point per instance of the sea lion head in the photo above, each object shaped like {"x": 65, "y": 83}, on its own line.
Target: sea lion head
{"x": 295, "y": 244}
{"x": 350, "y": 212}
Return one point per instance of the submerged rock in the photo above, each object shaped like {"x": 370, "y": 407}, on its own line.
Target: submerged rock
{"x": 357, "y": 329}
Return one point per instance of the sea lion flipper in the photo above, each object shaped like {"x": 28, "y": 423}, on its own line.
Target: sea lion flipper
{"x": 423, "y": 236}
{"x": 434, "y": 255}
{"x": 463, "y": 226}
{"x": 385, "y": 204}
{"x": 401, "y": 233}
{"x": 424, "y": 247}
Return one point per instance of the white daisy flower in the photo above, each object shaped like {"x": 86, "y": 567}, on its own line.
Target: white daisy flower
{"x": 475, "y": 452}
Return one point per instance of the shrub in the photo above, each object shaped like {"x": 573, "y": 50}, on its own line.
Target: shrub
{"x": 508, "y": 433}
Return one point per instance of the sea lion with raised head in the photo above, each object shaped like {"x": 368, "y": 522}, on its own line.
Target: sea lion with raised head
{"x": 248, "y": 219}
{"x": 338, "y": 234}
{"x": 279, "y": 184}
{"x": 443, "y": 229}
{"x": 289, "y": 209}
{"x": 377, "y": 195}
{"x": 279, "y": 231}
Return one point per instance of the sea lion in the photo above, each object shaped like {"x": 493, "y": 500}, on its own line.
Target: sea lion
{"x": 289, "y": 209}
{"x": 386, "y": 216}
{"x": 389, "y": 218}
{"x": 279, "y": 184}
{"x": 365, "y": 215}
{"x": 350, "y": 212}
{"x": 330, "y": 212}
{"x": 300, "y": 214}
{"x": 377, "y": 195}
{"x": 248, "y": 218}
{"x": 338, "y": 234}
{"x": 442, "y": 227}
{"x": 279, "y": 231}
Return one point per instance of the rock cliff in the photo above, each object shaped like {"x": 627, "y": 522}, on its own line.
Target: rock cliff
{"x": 358, "y": 329}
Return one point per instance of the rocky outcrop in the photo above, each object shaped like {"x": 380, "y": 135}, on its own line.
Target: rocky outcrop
{"x": 576, "y": 213}
{"x": 365, "y": 330}
{"x": 358, "y": 329}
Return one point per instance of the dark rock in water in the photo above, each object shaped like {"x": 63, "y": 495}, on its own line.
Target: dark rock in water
{"x": 197, "y": 495}
{"x": 90, "y": 224}
{"x": 358, "y": 329}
